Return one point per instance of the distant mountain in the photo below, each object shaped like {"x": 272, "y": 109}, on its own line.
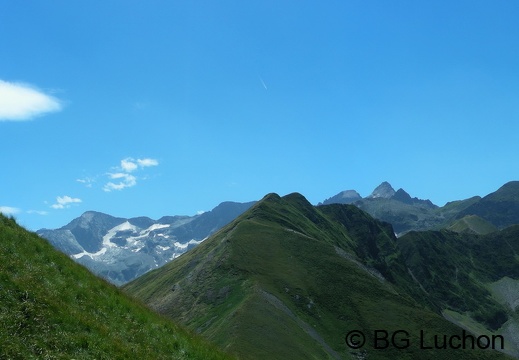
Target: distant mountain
{"x": 344, "y": 197}
{"x": 501, "y": 208}
{"x": 384, "y": 191}
{"x": 405, "y": 213}
{"x": 53, "y": 308}
{"x": 288, "y": 280}
{"x": 396, "y": 207}
{"x": 120, "y": 249}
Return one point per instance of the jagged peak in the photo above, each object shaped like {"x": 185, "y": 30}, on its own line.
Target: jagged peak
{"x": 403, "y": 196}
{"x": 384, "y": 190}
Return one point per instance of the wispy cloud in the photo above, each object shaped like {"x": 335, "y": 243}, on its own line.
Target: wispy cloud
{"x": 147, "y": 162}
{"x": 20, "y": 102}
{"x": 130, "y": 164}
{"x": 8, "y": 210}
{"x": 39, "y": 212}
{"x": 121, "y": 176}
{"x": 125, "y": 181}
{"x": 87, "y": 181}
{"x": 63, "y": 202}
{"x": 123, "y": 173}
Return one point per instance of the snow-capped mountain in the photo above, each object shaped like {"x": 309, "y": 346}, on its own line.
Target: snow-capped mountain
{"x": 120, "y": 249}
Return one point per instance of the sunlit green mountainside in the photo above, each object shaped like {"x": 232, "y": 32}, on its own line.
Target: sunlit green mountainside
{"x": 53, "y": 308}
{"x": 287, "y": 280}
{"x": 472, "y": 224}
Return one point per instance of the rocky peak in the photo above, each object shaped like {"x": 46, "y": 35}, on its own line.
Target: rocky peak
{"x": 344, "y": 197}
{"x": 384, "y": 190}
{"x": 402, "y": 196}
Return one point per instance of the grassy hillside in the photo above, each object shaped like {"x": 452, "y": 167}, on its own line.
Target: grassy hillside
{"x": 287, "y": 280}
{"x": 472, "y": 224}
{"x": 471, "y": 275}
{"x": 52, "y": 308}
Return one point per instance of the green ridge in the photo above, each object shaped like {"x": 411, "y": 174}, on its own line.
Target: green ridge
{"x": 472, "y": 224}
{"x": 287, "y": 280}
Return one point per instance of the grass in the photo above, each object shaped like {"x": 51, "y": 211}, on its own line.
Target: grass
{"x": 53, "y": 308}
{"x": 472, "y": 224}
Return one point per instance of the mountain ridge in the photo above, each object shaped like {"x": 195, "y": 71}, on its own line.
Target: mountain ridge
{"x": 284, "y": 267}
{"x": 148, "y": 243}
{"x": 406, "y": 213}
{"x": 120, "y": 249}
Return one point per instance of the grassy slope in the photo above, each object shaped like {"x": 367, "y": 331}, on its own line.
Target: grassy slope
{"x": 472, "y": 224}
{"x": 52, "y": 308}
{"x": 461, "y": 273}
{"x": 283, "y": 281}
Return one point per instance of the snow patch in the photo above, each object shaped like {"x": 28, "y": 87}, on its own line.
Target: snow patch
{"x": 125, "y": 226}
{"x": 190, "y": 242}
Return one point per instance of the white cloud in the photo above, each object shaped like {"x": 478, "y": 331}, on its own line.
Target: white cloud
{"x": 20, "y": 102}
{"x": 8, "y": 210}
{"x": 128, "y": 165}
{"x": 127, "y": 181}
{"x": 64, "y": 202}
{"x": 147, "y": 162}
{"x": 123, "y": 173}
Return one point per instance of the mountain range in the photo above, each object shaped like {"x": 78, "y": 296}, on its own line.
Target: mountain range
{"x": 275, "y": 279}
{"x": 477, "y": 215}
{"x": 289, "y": 280}
{"x": 121, "y": 249}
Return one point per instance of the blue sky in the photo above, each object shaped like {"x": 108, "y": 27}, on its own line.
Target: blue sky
{"x": 159, "y": 108}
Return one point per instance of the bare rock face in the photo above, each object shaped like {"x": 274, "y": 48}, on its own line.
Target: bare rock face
{"x": 344, "y": 197}
{"x": 384, "y": 190}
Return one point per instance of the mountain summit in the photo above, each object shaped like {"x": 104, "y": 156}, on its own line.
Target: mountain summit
{"x": 384, "y": 190}
{"x": 344, "y": 197}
